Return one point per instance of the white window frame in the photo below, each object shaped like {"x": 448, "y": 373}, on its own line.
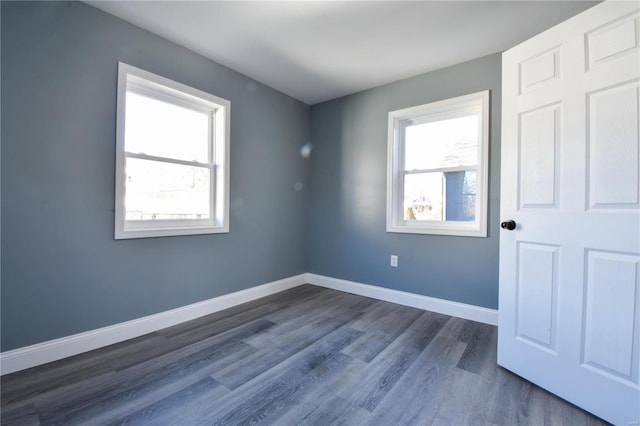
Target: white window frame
{"x": 141, "y": 81}
{"x": 436, "y": 111}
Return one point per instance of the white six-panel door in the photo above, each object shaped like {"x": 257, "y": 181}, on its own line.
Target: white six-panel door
{"x": 570, "y": 270}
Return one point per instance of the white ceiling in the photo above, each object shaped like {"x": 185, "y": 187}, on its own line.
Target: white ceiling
{"x": 320, "y": 50}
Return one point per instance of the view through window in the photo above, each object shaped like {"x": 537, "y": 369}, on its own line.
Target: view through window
{"x": 168, "y": 169}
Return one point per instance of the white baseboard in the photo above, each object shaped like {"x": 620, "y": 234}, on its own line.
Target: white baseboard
{"x": 53, "y": 350}
{"x": 447, "y": 307}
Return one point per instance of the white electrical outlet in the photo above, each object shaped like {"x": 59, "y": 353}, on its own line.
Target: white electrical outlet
{"x": 394, "y": 260}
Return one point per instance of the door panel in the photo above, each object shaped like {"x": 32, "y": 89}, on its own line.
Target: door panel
{"x": 569, "y": 272}
{"x": 539, "y": 143}
{"x": 537, "y": 293}
{"x": 613, "y": 147}
{"x": 611, "y": 304}
{"x": 613, "y": 38}
{"x": 541, "y": 69}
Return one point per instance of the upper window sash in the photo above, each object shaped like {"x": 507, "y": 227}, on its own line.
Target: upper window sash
{"x": 416, "y": 116}
{"x": 165, "y": 94}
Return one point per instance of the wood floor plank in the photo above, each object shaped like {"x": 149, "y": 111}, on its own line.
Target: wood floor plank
{"x": 110, "y": 404}
{"x": 463, "y": 401}
{"x": 509, "y": 400}
{"x": 327, "y": 414}
{"x": 25, "y": 384}
{"x": 468, "y": 331}
{"x": 315, "y": 397}
{"x": 481, "y": 352}
{"x": 316, "y": 304}
{"x": 380, "y": 334}
{"x": 301, "y": 316}
{"x": 308, "y": 355}
{"x": 170, "y": 411}
{"x": 318, "y": 378}
{"x": 381, "y": 375}
{"x": 371, "y": 317}
{"x": 222, "y": 325}
{"x": 422, "y": 384}
{"x": 263, "y": 390}
{"x": 517, "y": 401}
{"x": 557, "y": 411}
{"x": 399, "y": 360}
{"x": 252, "y": 366}
{"x": 452, "y": 329}
{"x": 137, "y": 383}
{"x": 291, "y": 296}
{"x": 354, "y": 415}
{"x": 24, "y": 415}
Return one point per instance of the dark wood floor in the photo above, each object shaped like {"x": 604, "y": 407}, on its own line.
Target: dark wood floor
{"x": 305, "y": 356}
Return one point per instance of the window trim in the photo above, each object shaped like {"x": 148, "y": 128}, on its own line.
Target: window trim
{"x": 164, "y": 89}
{"x": 430, "y": 112}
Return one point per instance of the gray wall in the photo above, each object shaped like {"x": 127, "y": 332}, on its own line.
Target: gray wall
{"x": 347, "y": 237}
{"x": 62, "y": 271}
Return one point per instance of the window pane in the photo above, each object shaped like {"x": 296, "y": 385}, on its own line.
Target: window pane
{"x": 157, "y": 190}
{"x": 460, "y": 195}
{"x": 162, "y": 129}
{"x": 423, "y": 196}
{"x": 445, "y": 143}
{"x": 449, "y": 196}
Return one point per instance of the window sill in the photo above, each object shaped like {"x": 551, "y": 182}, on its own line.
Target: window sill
{"x": 169, "y": 232}
{"x": 451, "y": 230}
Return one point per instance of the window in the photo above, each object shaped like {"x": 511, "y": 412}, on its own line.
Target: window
{"x": 437, "y": 167}
{"x": 172, "y": 158}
